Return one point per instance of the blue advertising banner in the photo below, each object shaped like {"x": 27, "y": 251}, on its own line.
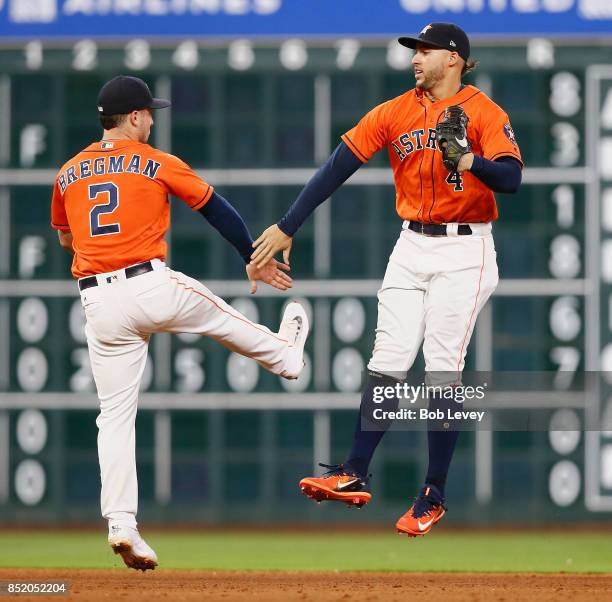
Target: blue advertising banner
{"x": 309, "y": 18}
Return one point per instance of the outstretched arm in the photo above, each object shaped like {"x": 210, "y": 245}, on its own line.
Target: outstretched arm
{"x": 229, "y": 223}
{"x": 340, "y": 166}
{"x": 222, "y": 216}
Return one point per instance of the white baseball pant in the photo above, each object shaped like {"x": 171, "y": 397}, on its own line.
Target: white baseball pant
{"x": 433, "y": 290}
{"x": 121, "y": 316}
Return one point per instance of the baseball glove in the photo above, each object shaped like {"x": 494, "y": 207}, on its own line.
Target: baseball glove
{"x": 451, "y": 136}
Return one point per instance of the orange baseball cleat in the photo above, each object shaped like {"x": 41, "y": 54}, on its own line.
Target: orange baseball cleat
{"x": 338, "y": 484}
{"x": 428, "y": 509}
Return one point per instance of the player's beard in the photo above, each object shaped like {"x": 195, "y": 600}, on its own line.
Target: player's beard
{"x": 435, "y": 76}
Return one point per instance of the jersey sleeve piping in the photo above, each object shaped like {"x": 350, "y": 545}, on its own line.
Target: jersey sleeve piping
{"x": 62, "y": 227}
{"x": 354, "y": 149}
{"x": 204, "y": 199}
{"x": 506, "y": 154}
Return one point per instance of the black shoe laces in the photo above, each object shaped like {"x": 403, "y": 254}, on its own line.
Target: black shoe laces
{"x": 424, "y": 504}
{"x": 334, "y": 470}
{"x": 338, "y": 469}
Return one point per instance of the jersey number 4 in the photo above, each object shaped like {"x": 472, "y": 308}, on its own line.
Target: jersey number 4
{"x": 95, "y": 190}
{"x": 455, "y": 179}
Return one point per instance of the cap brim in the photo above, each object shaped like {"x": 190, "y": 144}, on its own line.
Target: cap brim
{"x": 412, "y": 42}
{"x": 159, "y": 103}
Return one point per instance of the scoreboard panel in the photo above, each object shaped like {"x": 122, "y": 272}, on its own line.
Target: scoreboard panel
{"x": 255, "y": 119}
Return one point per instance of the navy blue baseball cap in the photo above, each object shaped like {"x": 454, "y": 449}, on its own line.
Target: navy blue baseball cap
{"x": 441, "y": 35}
{"x": 124, "y": 94}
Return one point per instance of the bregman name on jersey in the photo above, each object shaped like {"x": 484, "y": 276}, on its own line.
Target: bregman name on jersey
{"x": 107, "y": 165}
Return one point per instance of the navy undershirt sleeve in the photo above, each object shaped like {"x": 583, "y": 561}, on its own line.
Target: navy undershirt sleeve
{"x": 228, "y": 222}
{"x": 340, "y": 166}
{"x": 502, "y": 175}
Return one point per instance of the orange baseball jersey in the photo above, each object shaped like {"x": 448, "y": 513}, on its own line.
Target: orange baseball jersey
{"x": 425, "y": 190}
{"x": 113, "y": 198}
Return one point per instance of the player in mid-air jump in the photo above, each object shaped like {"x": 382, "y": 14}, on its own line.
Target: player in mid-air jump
{"x": 110, "y": 207}
{"x": 450, "y": 147}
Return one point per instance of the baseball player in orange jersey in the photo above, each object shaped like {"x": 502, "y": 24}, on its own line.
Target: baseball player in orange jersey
{"x": 450, "y": 147}
{"x": 110, "y": 207}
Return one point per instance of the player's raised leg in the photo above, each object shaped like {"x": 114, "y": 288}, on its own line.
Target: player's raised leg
{"x": 202, "y": 312}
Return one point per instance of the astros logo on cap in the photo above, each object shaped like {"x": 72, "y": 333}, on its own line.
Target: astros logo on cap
{"x": 426, "y": 29}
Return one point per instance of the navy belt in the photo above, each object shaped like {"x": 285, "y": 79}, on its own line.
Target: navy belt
{"x": 131, "y": 272}
{"x": 437, "y": 229}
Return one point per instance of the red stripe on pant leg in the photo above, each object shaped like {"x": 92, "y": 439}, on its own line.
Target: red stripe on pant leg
{"x": 475, "y": 306}
{"x": 189, "y": 288}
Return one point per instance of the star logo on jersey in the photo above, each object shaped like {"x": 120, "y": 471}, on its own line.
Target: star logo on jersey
{"x": 510, "y": 133}
{"x": 426, "y": 29}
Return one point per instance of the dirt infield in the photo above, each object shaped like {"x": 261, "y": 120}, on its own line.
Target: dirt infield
{"x": 117, "y": 584}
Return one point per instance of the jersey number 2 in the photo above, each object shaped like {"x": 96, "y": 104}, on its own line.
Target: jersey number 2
{"x": 95, "y": 190}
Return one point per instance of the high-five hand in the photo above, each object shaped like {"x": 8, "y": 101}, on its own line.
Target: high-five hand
{"x": 272, "y": 273}
{"x": 271, "y": 241}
